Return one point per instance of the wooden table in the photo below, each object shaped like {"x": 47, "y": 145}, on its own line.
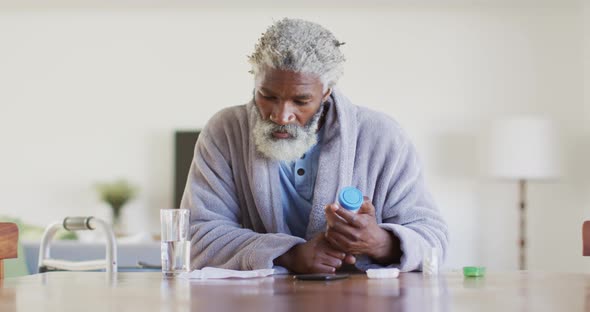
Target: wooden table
{"x": 142, "y": 291}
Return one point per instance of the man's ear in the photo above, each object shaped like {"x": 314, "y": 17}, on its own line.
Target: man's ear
{"x": 325, "y": 98}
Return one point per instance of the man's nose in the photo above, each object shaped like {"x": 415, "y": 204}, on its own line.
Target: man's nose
{"x": 282, "y": 114}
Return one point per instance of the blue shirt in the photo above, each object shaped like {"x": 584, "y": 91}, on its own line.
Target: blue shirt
{"x": 297, "y": 185}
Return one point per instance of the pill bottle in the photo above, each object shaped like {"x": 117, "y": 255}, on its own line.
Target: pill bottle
{"x": 350, "y": 198}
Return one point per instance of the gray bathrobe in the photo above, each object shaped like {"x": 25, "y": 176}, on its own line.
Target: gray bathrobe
{"x": 234, "y": 194}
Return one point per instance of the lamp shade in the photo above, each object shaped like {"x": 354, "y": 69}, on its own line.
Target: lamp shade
{"x": 523, "y": 148}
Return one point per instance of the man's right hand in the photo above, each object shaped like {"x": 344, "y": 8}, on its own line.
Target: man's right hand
{"x": 313, "y": 256}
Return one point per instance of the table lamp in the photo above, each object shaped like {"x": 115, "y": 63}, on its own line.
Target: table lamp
{"x": 523, "y": 149}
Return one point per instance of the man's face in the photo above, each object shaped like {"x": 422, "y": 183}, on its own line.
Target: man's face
{"x": 286, "y": 97}
{"x": 289, "y": 104}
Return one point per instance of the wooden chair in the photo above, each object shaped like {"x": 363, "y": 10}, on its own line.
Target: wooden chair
{"x": 8, "y": 243}
{"x": 586, "y": 238}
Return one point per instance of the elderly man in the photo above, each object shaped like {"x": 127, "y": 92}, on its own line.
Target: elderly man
{"x": 265, "y": 176}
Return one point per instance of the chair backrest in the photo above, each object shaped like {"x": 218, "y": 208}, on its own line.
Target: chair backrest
{"x": 586, "y": 238}
{"x": 8, "y": 243}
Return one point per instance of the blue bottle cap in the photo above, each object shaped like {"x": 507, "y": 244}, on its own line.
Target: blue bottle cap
{"x": 350, "y": 198}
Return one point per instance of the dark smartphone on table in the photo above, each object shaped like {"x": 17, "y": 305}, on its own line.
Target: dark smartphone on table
{"x": 320, "y": 277}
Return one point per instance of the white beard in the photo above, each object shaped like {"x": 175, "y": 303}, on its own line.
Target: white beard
{"x": 301, "y": 140}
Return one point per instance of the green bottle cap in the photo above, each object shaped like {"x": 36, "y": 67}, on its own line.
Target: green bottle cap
{"x": 471, "y": 271}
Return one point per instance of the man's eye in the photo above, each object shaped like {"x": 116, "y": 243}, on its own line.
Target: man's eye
{"x": 301, "y": 103}
{"x": 268, "y": 97}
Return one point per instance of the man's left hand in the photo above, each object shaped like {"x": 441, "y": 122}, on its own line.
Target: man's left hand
{"x": 358, "y": 233}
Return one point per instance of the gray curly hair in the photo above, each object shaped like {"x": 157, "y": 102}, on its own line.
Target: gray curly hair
{"x": 299, "y": 46}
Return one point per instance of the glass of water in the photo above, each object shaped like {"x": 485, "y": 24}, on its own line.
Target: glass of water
{"x": 175, "y": 241}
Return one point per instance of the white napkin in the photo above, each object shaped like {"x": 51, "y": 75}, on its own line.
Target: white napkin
{"x": 215, "y": 273}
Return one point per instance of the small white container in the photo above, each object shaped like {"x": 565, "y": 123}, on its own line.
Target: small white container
{"x": 383, "y": 273}
{"x": 430, "y": 262}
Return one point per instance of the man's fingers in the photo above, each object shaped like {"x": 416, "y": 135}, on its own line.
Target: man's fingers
{"x": 343, "y": 243}
{"x": 331, "y": 216}
{"x": 331, "y": 207}
{"x": 332, "y": 262}
{"x": 339, "y": 241}
{"x": 349, "y": 259}
{"x": 350, "y": 217}
{"x": 322, "y": 268}
{"x": 367, "y": 207}
{"x": 335, "y": 254}
{"x": 349, "y": 232}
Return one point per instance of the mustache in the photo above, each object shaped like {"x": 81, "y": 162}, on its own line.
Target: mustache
{"x": 291, "y": 129}
{"x": 294, "y": 130}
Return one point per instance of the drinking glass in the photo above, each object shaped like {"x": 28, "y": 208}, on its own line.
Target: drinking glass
{"x": 175, "y": 242}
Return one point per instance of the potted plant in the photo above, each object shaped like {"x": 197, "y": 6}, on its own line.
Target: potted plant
{"x": 116, "y": 194}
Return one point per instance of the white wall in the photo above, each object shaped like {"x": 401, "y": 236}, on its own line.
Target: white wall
{"x": 91, "y": 95}
{"x": 586, "y": 133}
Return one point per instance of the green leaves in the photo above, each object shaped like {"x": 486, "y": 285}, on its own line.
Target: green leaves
{"x": 116, "y": 193}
